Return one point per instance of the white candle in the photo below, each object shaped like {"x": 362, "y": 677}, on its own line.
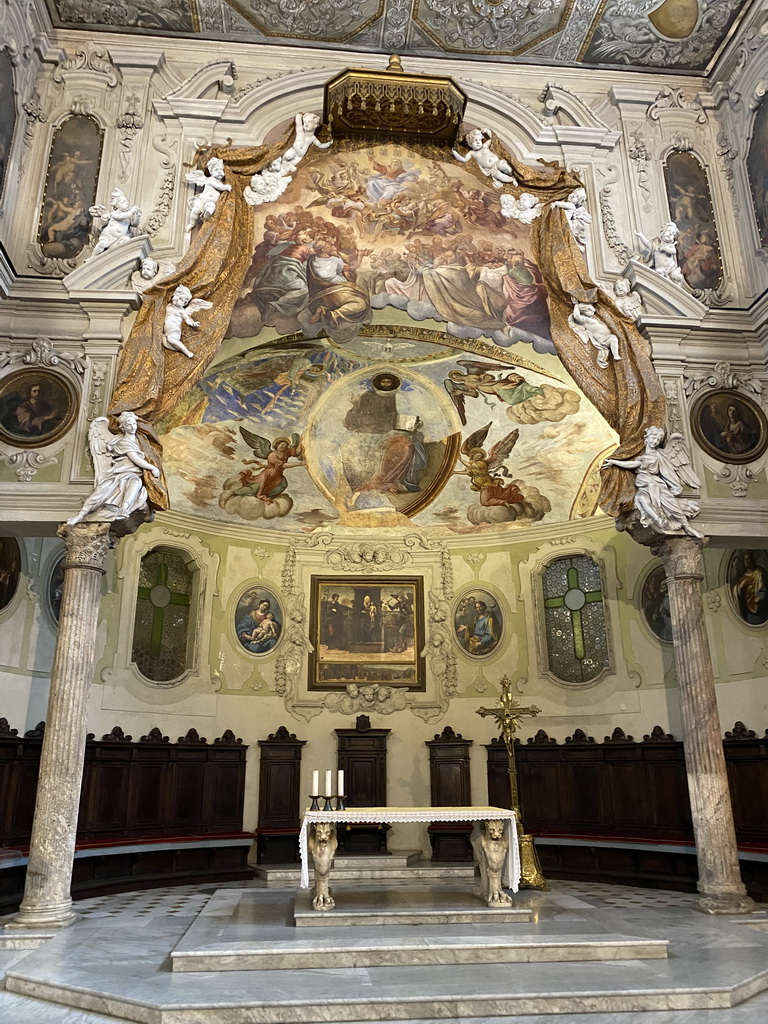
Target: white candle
{"x": 340, "y": 789}
{"x": 329, "y": 783}
{"x": 316, "y": 783}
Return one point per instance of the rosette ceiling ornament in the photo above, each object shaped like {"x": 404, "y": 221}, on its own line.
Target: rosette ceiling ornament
{"x": 394, "y": 102}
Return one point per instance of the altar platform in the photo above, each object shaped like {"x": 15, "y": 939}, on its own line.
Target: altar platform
{"x": 116, "y": 962}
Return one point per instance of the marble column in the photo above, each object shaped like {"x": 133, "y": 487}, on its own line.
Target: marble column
{"x": 720, "y": 886}
{"x": 47, "y": 901}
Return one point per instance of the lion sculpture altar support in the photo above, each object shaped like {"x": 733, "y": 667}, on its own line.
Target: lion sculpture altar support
{"x": 322, "y": 843}
{"x": 490, "y": 845}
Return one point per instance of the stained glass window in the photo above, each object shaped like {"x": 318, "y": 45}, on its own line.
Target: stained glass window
{"x": 161, "y": 624}
{"x": 574, "y": 618}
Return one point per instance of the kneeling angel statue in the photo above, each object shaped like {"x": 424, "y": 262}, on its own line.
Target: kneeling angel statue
{"x": 119, "y": 466}
{"x": 121, "y": 221}
{"x": 178, "y": 312}
{"x": 660, "y": 475}
{"x": 203, "y": 204}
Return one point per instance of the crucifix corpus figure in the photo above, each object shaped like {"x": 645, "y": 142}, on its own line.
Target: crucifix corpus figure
{"x": 508, "y": 714}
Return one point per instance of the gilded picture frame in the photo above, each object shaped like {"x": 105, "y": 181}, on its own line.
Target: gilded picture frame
{"x": 478, "y": 622}
{"x": 37, "y": 407}
{"x": 258, "y": 620}
{"x": 729, "y": 426}
{"x": 366, "y": 631}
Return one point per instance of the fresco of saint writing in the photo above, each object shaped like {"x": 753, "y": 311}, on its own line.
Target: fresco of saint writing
{"x": 7, "y": 114}
{"x": 365, "y": 632}
{"x": 37, "y": 407}
{"x": 654, "y": 600}
{"x": 478, "y": 622}
{"x": 747, "y": 576}
{"x": 757, "y": 170}
{"x": 70, "y": 187}
{"x": 258, "y": 620}
{"x": 730, "y": 427}
{"x": 690, "y": 207}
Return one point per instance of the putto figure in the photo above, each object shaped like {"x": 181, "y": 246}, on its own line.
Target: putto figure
{"x": 660, "y": 253}
{"x": 491, "y": 164}
{"x": 178, "y": 312}
{"x": 628, "y": 301}
{"x": 661, "y": 473}
{"x": 592, "y": 331}
{"x": 305, "y": 126}
{"x": 203, "y": 204}
{"x": 268, "y": 184}
{"x": 121, "y": 220}
{"x": 526, "y": 208}
{"x": 118, "y": 465}
{"x": 577, "y": 215}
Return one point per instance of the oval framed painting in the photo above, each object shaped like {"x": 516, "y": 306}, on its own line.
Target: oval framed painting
{"x": 258, "y": 620}
{"x": 54, "y": 589}
{"x": 729, "y": 426}
{"x": 10, "y": 570}
{"x": 37, "y": 407}
{"x": 747, "y": 580}
{"x": 478, "y": 622}
{"x": 654, "y": 601}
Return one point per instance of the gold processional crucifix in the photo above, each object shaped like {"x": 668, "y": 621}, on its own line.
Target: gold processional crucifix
{"x": 508, "y": 714}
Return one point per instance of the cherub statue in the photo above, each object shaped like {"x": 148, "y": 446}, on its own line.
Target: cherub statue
{"x": 491, "y": 164}
{"x": 267, "y": 184}
{"x": 660, "y": 253}
{"x": 150, "y": 272}
{"x": 592, "y": 331}
{"x": 118, "y": 466}
{"x": 121, "y": 220}
{"x": 577, "y": 215}
{"x": 661, "y": 473}
{"x": 305, "y": 126}
{"x": 526, "y": 208}
{"x": 177, "y": 312}
{"x": 202, "y": 204}
{"x": 628, "y": 301}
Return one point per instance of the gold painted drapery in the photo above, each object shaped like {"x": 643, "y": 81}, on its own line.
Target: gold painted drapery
{"x": 153, "y": 380}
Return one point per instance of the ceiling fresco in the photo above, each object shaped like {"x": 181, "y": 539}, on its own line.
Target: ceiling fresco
{"x": 660, "y": 35}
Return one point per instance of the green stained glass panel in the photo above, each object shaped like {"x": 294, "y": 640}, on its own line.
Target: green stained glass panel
{"x": 161, "y": 622}
{"x": 574, "y": 616}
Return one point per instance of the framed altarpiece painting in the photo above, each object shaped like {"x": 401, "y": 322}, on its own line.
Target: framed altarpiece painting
{"x": 366, "y": 631}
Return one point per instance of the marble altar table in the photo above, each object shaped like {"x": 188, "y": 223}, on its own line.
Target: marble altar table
{"x": 510, "y": 869}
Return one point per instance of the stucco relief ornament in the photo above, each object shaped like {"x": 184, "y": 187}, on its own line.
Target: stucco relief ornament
{"x": 121, "y": 221}
{"x": 493, "y": 166}
{"x": 661, "y": 473}
{"x": 381, "y": 699}
{"x": 660, "y": 253}
{"x": 585, "y": 323}
{"x": 526, "y": 208}
{"x": 119, "y": 466}
{"x": 203, "y": 204}
{"x": 628, "y": 301}
{"x": 267, "y": 185}
{"x": 577, "y": 215}
{"x": 178, "y": 312}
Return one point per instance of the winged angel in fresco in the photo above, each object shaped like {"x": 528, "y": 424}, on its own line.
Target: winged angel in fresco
{"x": 253, "y": 495}
{"x": 479, "y": 380}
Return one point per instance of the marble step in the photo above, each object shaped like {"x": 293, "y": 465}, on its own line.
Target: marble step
{"x": 352, "y": 869}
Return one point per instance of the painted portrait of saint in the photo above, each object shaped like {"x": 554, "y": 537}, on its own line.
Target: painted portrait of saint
{"x": 36, "y": 407}
{"x": 10, "y": 570}
{"x": 258, "y": 620}
{"x": 730, "y": 426}
{"x": 747, "y": 575}
{"x": 690, "y": 207}
{"x": 7, "y": 114}
{"x": 654, "y": 600}
{"x": 70, "y": 187}
{"x": 757, "y": 170}
{"x": 478, "y": 622}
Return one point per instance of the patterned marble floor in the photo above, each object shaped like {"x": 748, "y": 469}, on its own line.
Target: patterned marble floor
{"x": 137, "y": 916}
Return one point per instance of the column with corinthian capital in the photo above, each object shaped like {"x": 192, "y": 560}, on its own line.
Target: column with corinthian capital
{"x": 47, "y": 901}
{"x": 720, "y": 886}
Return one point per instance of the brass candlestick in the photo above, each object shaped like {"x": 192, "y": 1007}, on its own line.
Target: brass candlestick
{"x": 508, "y": 715}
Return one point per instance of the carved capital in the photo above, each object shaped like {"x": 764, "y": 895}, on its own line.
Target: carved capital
{"x": 87, "y": 545}
{"x": 682, "y": 557}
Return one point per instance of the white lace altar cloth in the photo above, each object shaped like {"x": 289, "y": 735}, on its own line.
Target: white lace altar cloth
{"x": 389, "y": 815}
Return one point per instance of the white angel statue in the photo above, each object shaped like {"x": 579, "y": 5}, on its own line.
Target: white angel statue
{"x": 628, "y": 301}
{"x": 202, "y": 205}
{"x": 306, "y": 126}
{"x": 118, "y": 466}
{"x": 577, "y": 215}
{"x": 267, "y": 184}
{"x": 660, "y": 476}
{"x": 491, "y": 164}
{"x": 584, "y": 322}
{"x": 150, "y": 272}
{"x": 121, "y": 221}
{"x": 526, "y": 208}
{"x": 660, "y": 253}
{"x": 178, "y": 312}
